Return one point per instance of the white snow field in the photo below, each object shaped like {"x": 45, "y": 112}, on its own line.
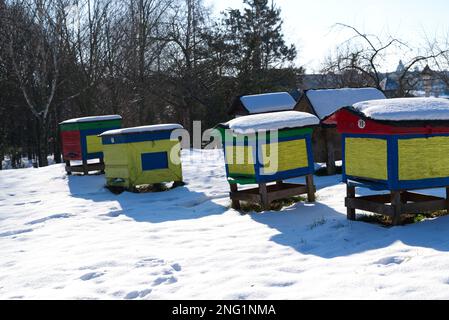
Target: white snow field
{"x": 70, "y": 238}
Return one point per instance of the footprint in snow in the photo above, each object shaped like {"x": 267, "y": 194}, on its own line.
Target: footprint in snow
{"x": 149, "y": 262}
{"x": 392, "y": 260}
{"x": 176, "y": 267}
{"x": 91, "y": 275}
{"x": 51, "y": 217}
{"x": 137, "y": 294}
{"x": 168, "y": 280}
{"x": 113, "y": 214}
{"x": 14, "y": 232}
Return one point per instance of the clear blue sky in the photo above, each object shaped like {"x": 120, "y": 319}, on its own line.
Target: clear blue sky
{"x": 308, "y": 24}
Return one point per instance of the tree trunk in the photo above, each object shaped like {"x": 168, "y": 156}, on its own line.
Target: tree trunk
{"x": 56, "y": 140}
{"x": 42, "y": 143}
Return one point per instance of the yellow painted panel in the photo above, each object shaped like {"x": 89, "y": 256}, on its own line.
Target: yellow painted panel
{"x": 284, "y": 156}
{"x": 240, "y": 160}
{"x": 423, "y": 158}
{"x": 366, "y": 158}
{"x": 172, "y": 173}
{"x": 124, "y": 161}
{"x": 94, "y": 144}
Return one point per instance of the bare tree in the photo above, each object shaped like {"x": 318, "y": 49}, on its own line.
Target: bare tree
{"x": 439, "y": 49}
{"x": 360, "y": 59}
{"x": 34, "y": 48}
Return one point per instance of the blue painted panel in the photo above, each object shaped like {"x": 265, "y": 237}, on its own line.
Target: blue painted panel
{"x": 154, "y": 161}
{"x": 137, "y": 137}
{"x": 91, "y": 132}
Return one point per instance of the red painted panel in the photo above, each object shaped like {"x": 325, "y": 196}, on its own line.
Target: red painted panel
{"x": 349, "y": 122}
{"x": 71, "y": 145}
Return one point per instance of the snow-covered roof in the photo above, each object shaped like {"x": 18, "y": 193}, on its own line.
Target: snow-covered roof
{"x": 272, "y": 121}
{"x": 268, "y": 102}
{"x": 327, "y": 101}
{"x": 152, "y": 128}
{"x": 91, "y": 119}
{"x": 405, "y": 109}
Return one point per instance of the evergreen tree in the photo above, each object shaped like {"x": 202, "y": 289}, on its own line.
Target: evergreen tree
{"x": 256, "y": 44}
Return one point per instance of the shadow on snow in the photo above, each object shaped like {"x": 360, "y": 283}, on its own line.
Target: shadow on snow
{"x": 177, "y": 204}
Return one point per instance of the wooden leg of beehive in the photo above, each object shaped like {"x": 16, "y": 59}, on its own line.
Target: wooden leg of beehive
{"x": 310, "y": 188}
{"x": 396, "y": 203}
{"x": 85, "y": 168}
{"x": 263, "y": 196}
{"x": 235, "y": 203}
{"x": 350, "y": 194}
{"x": 67, "y": 167}
{"x": 102, "y": 165}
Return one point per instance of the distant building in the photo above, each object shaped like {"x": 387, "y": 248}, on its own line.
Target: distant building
{"x": 427, "y": 76}
{"x": 389, "y": 86}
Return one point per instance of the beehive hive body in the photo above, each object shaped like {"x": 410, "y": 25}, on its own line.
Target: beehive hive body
{"x": 141, "y": 158}
{"x": 80, "y": 140}
{"x": 394, "y": 156}
{"x": 248, "y": 158}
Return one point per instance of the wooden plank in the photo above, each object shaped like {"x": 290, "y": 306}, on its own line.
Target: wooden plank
{"x": 447, "y": 199}
{"x": 350, "y": 194}
{"x": 245, "y": 196}
{"x": 424, "y": 206}
{"x": 416, "y": 197}
{"x": 357, "y": 203}
{"x": 264, "y": 196}
{"x": 90, "y": 167}
{"x": 273, "y": 192}
{"x": 287, "y": 192}
{"x": 397, "y": 206}
{"x": 310, "y": 188}
{"x": 330, "y": 158}
{"x": 235, "y": 202}
{"x": 379, "y": 198}
{"x": 85, "y": 167}
{"x": 68, "y": 167}
{"x": 102, "y": 164}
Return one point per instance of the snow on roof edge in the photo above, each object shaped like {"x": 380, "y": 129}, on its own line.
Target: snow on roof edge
{"x": 271, "y": 121}
{"x": 92, "y": 119}
{"x": 268, "y": 102}
{"x": 404, "y": 109}
{"x": 141, "y": 129}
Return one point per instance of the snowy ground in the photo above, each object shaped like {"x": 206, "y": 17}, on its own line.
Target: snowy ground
{"x": 70, "y": 238}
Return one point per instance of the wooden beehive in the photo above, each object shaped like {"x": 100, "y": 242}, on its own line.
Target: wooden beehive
{"x": 270, "y": 147}
{"x": 142, "y": 155}
{"x": 80, "y": 139}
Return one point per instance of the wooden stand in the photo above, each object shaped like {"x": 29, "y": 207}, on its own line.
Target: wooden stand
{"x": 394, "y": 204}
{"x": 85, "y": 167}
{"x": 265, "y": 194}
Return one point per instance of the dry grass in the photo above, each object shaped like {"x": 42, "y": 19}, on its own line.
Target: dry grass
{"x": 276, "y": 205}
{"x": 405, "y": 219}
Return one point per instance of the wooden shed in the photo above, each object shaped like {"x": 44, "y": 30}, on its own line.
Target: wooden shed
{"x": 270, "y": 147}
{"x": 142, "y": 155}
{"x": 396, "y": 145}
{"x": 261, "y": 103}
{"x": 323, "y": 103}
{"x": 80, "y": 141}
